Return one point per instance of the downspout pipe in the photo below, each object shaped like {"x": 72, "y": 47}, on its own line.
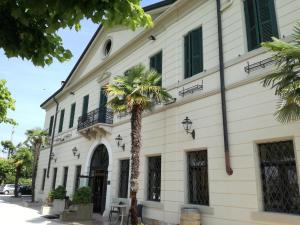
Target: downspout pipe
{"x": 52, "y": 137}
{"x": 229, "y": 170}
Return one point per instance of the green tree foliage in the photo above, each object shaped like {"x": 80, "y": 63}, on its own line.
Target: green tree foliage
{"x": 21, "y": 160}
{"x": 35, "y": 139}
{"x": 286, "y": 80}
{"x": 8, "y": 147}
{"x": 6, "y": 100}
{"x": 135, "y": 92}
{"x": 29, "y": 28}
{"x": 6, "y": 171}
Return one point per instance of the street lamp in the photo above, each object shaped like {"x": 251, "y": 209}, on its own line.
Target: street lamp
{"x": 75, "y": 150}
{"x": 187, "y": 125}
{"x": 52, "y": 157}
{"x": 119, "y": 141}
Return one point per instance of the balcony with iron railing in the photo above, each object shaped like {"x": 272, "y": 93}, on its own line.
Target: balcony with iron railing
{"x": 95, "y": 122}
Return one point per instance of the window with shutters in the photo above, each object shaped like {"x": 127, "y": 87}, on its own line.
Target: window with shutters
{"x": 156, "y": 63}
{"x": 77, "y": 177}
{"x": 54, "y": 178}
{"x": 198, "y": 177}
{"x": 278, "y": 170}
{"x": 51, "y": 126}
{"x": 261, "y": 23}
{"x": 72, "y": 115}
{"x": 61, "y": 120}
{"x": 65, "y": 176}
{"x": 124, "y": 177}
{"x": 85, "y": 105}
{"x": 43, "y": 179}
{"x": 154, "y": 178}
{"x": 193, "y": 53}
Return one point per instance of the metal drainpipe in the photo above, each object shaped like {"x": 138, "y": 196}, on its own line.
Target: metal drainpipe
{"x": 223, "y": 94}
{"x": 52, "y": 138}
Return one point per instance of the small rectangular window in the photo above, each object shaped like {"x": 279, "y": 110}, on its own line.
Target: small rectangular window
{"x": 261, "y": 22}
{"x": 51, "y": 125}
{"x": 193, "y": 53}
{"x": 54, "y": 178}
{"x": 61, "y": 120}
{"x": 124, "y": 177}
{"x": 77, "y": 176}
{"x": 72, "y": 115}
{"x": 65, "y": 176}
{"x": 156, "y": 63}
{"x": 44, "y": 179}
{"x": 198, "y": 177}
{"x": 154, "y": 178}
{"x": 279, "y": 177}
{"x": 85, "y": 105}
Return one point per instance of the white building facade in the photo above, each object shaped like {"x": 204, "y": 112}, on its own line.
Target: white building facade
{"x": 176, "y": 169}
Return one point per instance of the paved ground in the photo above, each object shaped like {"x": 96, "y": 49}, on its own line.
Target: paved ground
{"x": 13, "y": 212}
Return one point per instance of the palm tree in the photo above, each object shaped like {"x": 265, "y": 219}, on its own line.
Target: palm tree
{"x": 137, "y": 90}
{"x": 8, "y": 147}
{"x": 35, "y": 139}
{"x": 22, "y": 158}
{"x": 286, "y": 80}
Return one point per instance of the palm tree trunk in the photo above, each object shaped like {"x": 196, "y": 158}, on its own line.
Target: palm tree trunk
{"x": 34, "y": 170}
{"x": 18, "y": 173}
{"x": 136, "y": 125}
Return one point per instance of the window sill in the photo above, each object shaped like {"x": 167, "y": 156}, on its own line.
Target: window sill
{"x": 276, "y": 218}
{"x": 203, "y": 208}
{"x": 152, "y": 204}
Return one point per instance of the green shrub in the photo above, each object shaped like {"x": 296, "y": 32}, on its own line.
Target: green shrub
{"x": 82, "y": 195}
{"x": 59, "y": 192}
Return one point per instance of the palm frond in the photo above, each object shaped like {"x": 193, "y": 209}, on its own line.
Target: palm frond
{"x": 138, "y": 86}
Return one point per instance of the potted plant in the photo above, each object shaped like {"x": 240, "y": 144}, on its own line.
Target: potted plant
{"x": 81, "y": 208}
{"x": 59, "y": 195}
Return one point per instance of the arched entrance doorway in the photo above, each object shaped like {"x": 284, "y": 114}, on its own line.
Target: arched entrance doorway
{"x": 98, "y": 177}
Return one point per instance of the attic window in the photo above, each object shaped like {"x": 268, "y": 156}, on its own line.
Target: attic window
{"x": 107, "y": 47}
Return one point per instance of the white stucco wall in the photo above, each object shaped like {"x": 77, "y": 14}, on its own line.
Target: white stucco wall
{"x": 234, "y": 200}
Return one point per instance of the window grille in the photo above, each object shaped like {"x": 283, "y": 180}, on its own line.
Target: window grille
{"x": 124, "y": 177}
{"x": 154, "y": 174}
{"x": 54, "y": 178}
{"x": 65, "y": 177}
{"x": 44, "y": 179}
{"x": 279, "y": 177}
{"x": 198, "y": 178}
{"x": 78, "y": 172}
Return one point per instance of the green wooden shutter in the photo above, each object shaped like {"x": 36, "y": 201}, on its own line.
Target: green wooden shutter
{"x": 187, "y": 55}
{"x": 267, "y": 19}
{"x": 252, "y": 27}
{"x": 85, "y": 105}
{"x": 196, "y": 51}
{"x": 72, "y": 115}
{"x": 261, "y": 23}
{"x": 61, "y": 120}
{"x": 51, "y": 125}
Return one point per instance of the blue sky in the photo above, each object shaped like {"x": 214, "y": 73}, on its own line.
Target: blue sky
{"x": 31, "y": 85}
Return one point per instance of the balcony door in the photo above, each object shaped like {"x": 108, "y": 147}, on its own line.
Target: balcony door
{"x": 102, "y": 106}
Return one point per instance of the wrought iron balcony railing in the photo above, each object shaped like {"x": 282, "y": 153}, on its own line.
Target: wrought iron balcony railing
{"x": 100, "y": 115}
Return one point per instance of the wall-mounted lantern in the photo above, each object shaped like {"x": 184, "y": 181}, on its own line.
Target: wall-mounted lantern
{"x": 75, "y": 150}
{"x": 52, "y": 157}
{"x": 187, "y": 125}
{"x": 119, "y": 141}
